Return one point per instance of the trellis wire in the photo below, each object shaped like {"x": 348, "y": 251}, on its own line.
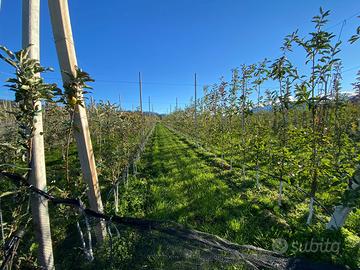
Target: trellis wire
{"x": 133, "y": 159}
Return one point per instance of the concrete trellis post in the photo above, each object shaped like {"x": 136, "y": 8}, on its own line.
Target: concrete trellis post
{"x": 195, "y": 105}
{"x": 140, "y": 90}
{"x": 141, "y": 107}
{"x": 60, "y": 20}
{"x": 39, "y": 205}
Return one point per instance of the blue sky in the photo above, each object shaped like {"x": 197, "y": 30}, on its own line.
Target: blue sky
{"x": 169, "y": 40}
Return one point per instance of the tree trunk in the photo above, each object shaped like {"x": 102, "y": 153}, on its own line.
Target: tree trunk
{"x": 39, "y": 205}
{"x": 311, "y": 210}
{"x": 280, "y": 193}
{"x": 341, "y": 212}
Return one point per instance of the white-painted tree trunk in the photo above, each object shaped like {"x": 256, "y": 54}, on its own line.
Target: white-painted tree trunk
{"x": 338, "y": 217}
{"x": 60, "y": 20}
{"x": 341, "y": 212}
{"x": 116, "y": 197}
{"x": 88, "y": 251}
{"x": 280, "y": 193}
{"x": 82, "y": 239}
{"x": 39, "y": 205}
{"x": 88, "y": 230}
{"x": 311, "y": 211}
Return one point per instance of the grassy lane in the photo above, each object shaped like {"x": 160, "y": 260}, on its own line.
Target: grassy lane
{"x": 177, "y": 182}
{"x": 182, "y": 186}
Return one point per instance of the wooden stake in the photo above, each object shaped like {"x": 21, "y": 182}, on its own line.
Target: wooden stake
{"x": 39, "y": 205}
{"x": 120, "y": 103}
{"x": 149, "y": 105}
{"x": 60, "y": 20}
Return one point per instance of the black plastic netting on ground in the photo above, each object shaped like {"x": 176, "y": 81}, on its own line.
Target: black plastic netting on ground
{"x": 149, "y": 244}
{"x": 135, "y": 243}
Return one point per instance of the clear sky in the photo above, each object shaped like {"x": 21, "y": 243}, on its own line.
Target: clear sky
{"x": 169, "y": 40}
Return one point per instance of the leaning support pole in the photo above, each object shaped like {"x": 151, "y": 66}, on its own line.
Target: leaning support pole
{"x": 39, "y": 205}
{"x": 60, "y": 20}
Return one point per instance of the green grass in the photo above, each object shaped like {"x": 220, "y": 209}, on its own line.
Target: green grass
{"x": 179, "y": 182}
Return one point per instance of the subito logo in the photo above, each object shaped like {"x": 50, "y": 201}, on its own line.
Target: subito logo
{"x": 280, "y": 245}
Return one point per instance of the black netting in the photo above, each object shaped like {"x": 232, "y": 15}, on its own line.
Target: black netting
{"x": 149, "y": 244}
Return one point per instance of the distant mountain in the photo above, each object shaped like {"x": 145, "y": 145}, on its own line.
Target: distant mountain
{"x": 352, "y": 96}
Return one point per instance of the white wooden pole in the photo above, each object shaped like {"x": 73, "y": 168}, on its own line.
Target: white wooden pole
{"x": 39, "y": 205}
{"x": 61, "y": 25}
